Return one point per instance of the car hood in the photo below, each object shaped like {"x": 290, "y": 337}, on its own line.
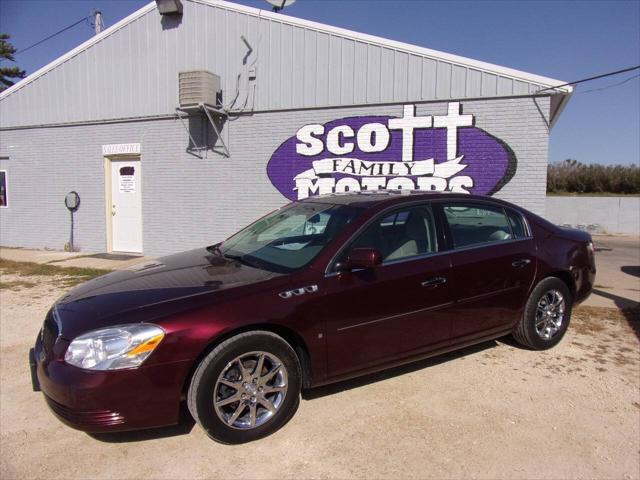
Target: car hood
{"x": 151, "y": 289}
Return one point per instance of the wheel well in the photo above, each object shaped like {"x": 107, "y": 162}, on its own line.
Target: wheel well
{"x": 567, "y": 279}
{"x": 289, "y": 336}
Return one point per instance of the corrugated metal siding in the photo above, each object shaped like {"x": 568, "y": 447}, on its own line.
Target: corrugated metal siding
{"x": 134, "y": 71}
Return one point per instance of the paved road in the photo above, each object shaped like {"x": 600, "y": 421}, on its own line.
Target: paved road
{"x": 618, "y": 272}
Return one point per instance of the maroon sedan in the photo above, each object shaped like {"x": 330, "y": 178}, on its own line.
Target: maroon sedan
{"x": 318, "y": 291}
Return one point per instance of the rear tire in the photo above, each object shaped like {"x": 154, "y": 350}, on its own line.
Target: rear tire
{"x": 546, "y": 315}
{"x": 246, "y": 388}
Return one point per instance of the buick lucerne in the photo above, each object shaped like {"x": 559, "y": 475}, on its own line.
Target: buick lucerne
{"x": 318, "y": 291}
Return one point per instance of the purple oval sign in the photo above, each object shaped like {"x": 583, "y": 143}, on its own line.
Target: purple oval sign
{"x": 433, "y": 153}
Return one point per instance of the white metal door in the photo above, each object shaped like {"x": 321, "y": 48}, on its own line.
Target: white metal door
{"x": 126, "y": 206}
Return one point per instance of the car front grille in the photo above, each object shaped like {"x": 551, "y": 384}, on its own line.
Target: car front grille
{"x": 86, "y": 418}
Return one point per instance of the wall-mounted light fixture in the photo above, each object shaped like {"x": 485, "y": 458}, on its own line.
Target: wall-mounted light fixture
{"x": 169, "y": 7}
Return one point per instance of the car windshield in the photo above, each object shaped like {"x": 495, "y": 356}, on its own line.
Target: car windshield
{"x": 289, "y": 238}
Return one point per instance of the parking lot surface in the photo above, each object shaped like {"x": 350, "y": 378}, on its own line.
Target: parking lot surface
{"x": 618, "y": 272}
{"x": 491, "y": 411}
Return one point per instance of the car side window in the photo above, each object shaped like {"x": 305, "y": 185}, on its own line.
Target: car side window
{"x": 476, "y": 224}
{"x": 403, "y": 233}
{"x": 518, "y": 227}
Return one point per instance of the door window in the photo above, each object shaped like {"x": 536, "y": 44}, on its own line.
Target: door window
{"x": 402, "y": 234}
{"x": 474, "y": 224}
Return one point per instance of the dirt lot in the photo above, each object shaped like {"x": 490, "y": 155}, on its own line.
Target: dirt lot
{"x": 492, "y": 411}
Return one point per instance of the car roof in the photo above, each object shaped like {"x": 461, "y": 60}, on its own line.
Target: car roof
{"x": 373, "y": 198}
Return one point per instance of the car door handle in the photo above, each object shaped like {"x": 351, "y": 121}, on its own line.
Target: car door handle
{"x": 521, "y": 263}
{"x": 434, "y": 282}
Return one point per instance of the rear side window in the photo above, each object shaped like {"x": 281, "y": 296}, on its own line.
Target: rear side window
{"x": 473, "y": 224}
{"x": 518, "y": 228}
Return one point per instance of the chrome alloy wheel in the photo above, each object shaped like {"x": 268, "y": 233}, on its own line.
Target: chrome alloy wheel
{"x": 550, "y": 314}
{"x": 250, "y": 390}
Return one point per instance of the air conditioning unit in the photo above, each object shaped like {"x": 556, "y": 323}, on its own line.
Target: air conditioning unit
{"x": 198, "y": 86}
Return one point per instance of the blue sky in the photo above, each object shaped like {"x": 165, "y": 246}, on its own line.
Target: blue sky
{"x": 567, "y": 40}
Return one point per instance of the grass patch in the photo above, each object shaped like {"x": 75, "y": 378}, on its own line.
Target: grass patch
{"x": 16, "y": 285}
{"x": 592, "y": 320}
{"x": 29, "y": 269}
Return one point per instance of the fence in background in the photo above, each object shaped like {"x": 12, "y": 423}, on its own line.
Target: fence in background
{"x": 596, "y": 214}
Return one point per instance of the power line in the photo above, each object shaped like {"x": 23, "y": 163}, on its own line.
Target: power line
{"x": 614, "y": 85}
{"x": 603, "y": 75}
{"x": 51, "y": 36}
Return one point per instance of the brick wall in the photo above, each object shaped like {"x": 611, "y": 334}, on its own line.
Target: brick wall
{"x": 188, "y": 201}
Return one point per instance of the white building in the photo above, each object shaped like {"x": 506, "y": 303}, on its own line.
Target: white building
{"x": 301, "y": 109}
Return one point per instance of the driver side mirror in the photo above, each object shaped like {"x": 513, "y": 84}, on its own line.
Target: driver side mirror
{"x": 361, "y": 258}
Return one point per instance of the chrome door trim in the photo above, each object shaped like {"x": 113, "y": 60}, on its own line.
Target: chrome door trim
{"x": 488, "y": 244}
{"x": 487, "y": 295}
{"x": 420, "y": 310}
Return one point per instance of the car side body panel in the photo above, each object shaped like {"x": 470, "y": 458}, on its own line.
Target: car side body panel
{"x": 492, "y": 283}
{"x": 565, "y": 253}
{"x": 380, "y": 314}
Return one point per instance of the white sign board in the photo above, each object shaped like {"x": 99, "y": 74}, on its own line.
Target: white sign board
{"x": 121, "y": 149}
{"x": 127, "y": 184}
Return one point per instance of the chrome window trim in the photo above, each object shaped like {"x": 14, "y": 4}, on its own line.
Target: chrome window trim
{"x": 328, "y": 273}
{"x": 488, "y": 244}
{"x": 437, "y": 254}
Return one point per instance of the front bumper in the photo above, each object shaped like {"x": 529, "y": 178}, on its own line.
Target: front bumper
{"x": 108, "y": 401}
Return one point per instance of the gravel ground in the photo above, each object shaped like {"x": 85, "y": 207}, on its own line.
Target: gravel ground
{"x": 491, "y": 411}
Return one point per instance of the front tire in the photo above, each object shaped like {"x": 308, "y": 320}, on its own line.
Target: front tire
{"x": 546, "y": 315}
{"x": 246, "y": 388}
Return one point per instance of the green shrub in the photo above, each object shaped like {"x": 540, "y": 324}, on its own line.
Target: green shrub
{"x": 572, "y": 176}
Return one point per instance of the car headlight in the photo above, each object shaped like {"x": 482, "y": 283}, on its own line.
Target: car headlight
{"x": 124, "y": 346}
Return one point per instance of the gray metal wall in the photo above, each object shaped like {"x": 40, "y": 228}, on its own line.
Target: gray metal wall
{"x": 188, "y": 201}
{"x": 134, "y": 71}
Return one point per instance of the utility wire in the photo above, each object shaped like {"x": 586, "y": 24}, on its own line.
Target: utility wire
{"x": 53, "y": 35}
{"x": 617, "y": 72}
{"x": 611, "y": 86}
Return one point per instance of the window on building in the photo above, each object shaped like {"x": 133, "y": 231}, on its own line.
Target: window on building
{"x": 4, "y": 196}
